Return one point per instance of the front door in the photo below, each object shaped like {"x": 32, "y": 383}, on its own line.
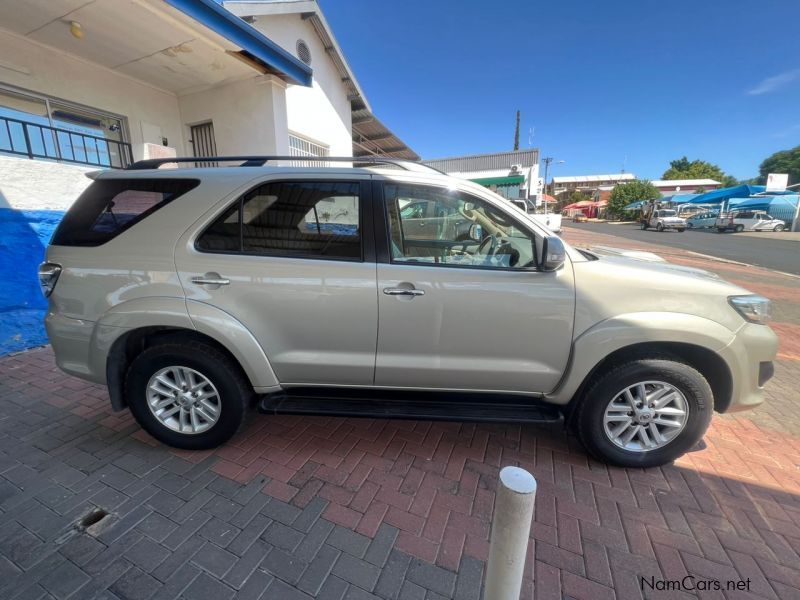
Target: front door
{"x": 465, "y": 308}
{"x": 300, "y": 272}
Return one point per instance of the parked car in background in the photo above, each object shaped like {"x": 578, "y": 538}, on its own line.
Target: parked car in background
{"x": 662, "y": 219}
{"x": 748, "y": 220}
{"x": 193, "y": 293}
{"x": 579, "y": 217}
{"x": 702, "y": 220}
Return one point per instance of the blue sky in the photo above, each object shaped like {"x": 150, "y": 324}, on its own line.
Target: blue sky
{"x": 598, "y": 81}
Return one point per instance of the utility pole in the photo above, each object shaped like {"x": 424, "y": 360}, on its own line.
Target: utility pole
{"x": 516, "y": 134}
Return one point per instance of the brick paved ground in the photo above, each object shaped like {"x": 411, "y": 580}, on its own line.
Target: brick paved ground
{"x": 348, "y": 508}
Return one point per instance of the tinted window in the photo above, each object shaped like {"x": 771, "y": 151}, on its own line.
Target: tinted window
{"x": 110, "y": 206}
{"x": 291, "y": 218}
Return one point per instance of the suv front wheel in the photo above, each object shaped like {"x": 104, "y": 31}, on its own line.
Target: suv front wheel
{"x": 187, "y": 394}
{"x": 645, "y": 413}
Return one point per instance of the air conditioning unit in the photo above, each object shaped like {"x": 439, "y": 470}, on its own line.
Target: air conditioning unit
{"x": 516, "y": 169}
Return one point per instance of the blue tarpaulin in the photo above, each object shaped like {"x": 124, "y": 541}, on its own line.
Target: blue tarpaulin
{"x": 724, "y": 194}
{"x": 780, "y": 207}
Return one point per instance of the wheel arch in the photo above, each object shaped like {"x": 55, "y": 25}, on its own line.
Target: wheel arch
{"x": 707, "y": 362}
{"x": 131, "y": 343}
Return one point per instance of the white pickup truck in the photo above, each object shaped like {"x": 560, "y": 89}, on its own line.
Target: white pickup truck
{"x": 748, "y": 220}
{"x": 663, "y": 218}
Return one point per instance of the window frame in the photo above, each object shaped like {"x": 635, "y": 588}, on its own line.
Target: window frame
{"x": 382, "y": 224}
{"x": 365, "y": 219}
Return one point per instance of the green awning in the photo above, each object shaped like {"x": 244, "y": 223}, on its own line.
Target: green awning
{"x": 510, "y": 180}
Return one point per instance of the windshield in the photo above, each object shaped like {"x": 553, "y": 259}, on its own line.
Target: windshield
{"x": 668, "y": 213}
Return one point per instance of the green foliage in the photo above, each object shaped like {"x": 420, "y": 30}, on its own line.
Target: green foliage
{"x": 631, "y": 191}
{"x": 785, "y": 161}
{"x": 683, "y": 168}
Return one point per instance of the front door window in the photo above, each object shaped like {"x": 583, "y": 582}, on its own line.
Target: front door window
{"x": 437, "y": 226}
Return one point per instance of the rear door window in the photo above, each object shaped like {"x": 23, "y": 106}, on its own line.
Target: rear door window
{"x": 312, "y": 219}
{"x": 110, "y": 206}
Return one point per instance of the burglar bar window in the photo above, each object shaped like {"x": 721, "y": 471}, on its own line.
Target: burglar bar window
{"x": 302, "y": 147}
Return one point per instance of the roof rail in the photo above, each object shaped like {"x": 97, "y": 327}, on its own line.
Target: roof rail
{"x": 260, "y": 161}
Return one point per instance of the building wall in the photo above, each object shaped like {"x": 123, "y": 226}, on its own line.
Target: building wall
{"x": 249, "y": 116}
{"x": 57, "y": 74}
{"x": 320, "y": 113}
{"x": 27, "y": 184}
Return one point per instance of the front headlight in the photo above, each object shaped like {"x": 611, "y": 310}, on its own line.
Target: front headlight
{"x": 753, "y": 308}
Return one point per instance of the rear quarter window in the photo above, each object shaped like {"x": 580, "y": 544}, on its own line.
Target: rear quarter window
{"x": 110, "y": 206}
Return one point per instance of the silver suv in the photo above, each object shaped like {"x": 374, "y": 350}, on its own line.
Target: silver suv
{"x": 374, "y": 287}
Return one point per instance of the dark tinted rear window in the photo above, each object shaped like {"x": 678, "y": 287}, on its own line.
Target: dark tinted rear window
{"x": 110, "y": 206}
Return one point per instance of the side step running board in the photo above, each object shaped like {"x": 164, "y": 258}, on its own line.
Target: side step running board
{"x": 422, "y": 406}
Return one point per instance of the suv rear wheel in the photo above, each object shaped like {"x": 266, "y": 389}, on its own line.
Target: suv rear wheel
{"x": 187, "y": 394}
{"x": 645, "y": 413}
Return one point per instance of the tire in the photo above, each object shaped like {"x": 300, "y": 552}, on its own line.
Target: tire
{"x": 778, "y": 228}
{"x": 232, "y": 397}
{"x": 739, "y": 228}
{"x": 681, "y": 230}
{"x": 644, "y": 225}
{"x": 695, "y": 395}
{"x": 690, "y": 225}
{"x": 660, "y": 227}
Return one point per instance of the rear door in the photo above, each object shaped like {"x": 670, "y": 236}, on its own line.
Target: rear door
{"x": 455, "y": 314}
{"x": 293, "y": 261}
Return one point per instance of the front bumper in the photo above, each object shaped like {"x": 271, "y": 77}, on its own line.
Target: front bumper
{"x": 749, "y": 357}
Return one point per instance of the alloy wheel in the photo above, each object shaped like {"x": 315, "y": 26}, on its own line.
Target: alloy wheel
{"x": 183, "y": 400}
{"x": 646, "y": 416}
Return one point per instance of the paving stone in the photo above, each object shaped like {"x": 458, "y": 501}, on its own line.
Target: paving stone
{"x": 249, "y": 511}
{"x": 284, "y": 566}
{"x": 157, "y": 527}
{"x": 65, "y": 580}
{"x": 189, "y": 528}
{"x": 180, "y": 555}
{"x": 356, "y": 571}
{"x": 278, "y": 589}
{"x": 280, "y": 511}
{"x": 412, "y": 591}
{"x": 221, "y": 507}
{"x": 432, "y": 577}
{"x": 281, "y": 536}
{"x": 147, "y": 554}
{"x": 317, "y": 572}
{"x": 81, "y": 549}
{"x": 249, "y": 534}
{"x": 215, "y": 560}
{"x": 218, "y": 532}
{"x": 135, "y": 584}
{"x": 380, "y": 547}
{"x": 249, "y": 561}
{"x": 470, "y": 577}
{"x": 178, "y": 581}
{"x": 205, "y": 587}
{"x": 392, "y": 575}
{"x": 310, "y": 514}
{"x": 255, "y": 587}
{"x": 356, "y": 593}
{"x": 348, "y": 541}
{"x": 313, "y": 541}
{"x": 164, "y": 503}
{"x": 333, "y": 589}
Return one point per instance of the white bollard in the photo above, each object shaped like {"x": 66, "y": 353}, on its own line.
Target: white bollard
{"x": 511, "y": 527}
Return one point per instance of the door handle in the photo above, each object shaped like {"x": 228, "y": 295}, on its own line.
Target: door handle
{"x": 403, "y": 292}
{"x": 210, "y": 279}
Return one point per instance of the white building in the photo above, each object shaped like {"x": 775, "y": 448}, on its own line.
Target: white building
{"x": 588, "y": 183}
{"x": 108, "y": 82}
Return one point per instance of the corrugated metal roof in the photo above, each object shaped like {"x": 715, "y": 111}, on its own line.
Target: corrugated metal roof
{"x": 683, "y": 182}
{"x": 485, "y": 162}
{"x": 594, "y": 178}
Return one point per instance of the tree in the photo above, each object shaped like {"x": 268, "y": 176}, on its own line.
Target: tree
{"x": 516, "y": 134}
{"x": 629, "y": 192}
{"x": 785, "y": 161}
{"x": 683, "y": 168}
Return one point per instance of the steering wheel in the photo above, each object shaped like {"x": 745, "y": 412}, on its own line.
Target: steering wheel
{"x": 487, "y": 246}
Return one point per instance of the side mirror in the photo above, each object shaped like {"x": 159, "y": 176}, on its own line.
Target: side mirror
{"x": 553, "y": 253}
{"x": 476, "y": 232}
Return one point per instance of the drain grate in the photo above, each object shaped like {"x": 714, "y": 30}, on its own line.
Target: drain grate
{"x": 94, "y": 517}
